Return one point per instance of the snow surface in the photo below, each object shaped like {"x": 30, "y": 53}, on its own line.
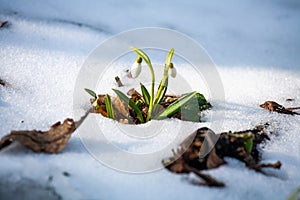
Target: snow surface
{"x": 255, "y": 45}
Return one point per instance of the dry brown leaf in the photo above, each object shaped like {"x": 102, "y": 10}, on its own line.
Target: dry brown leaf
{"x": 276, "y": 107}
{"x": 102, "y": 110}
{"x": 52, "y": 141}
{"x": 120, "y": 111}
{"x": 213, "y": 160}
{"x": 187, "y": 158}
{"x": 101, "y": 99}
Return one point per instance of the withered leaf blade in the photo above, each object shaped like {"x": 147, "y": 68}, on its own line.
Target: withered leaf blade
{"x": 276, "y": 107}
{"x": 121, "y": 112}
{"x": 213, "y": 160}
{"x": 51, "y": 141}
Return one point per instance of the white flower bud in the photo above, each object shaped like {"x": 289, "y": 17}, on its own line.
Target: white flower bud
{"x": 136, "y": 68}
{"x": 95, "y": 102}
{"x": 172, "y": 70}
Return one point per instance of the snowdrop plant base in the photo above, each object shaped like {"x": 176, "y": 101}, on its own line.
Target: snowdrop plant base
{"x": 146, "y": 106}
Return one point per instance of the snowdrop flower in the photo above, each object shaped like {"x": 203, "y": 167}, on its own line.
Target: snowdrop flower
{"x": 136, "y": 68}
{"x": 172, "y": 70}
{"x": 95, "y": 103}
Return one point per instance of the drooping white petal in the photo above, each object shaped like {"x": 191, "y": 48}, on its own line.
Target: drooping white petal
{"x": 136, "y": 69}
{"x": 172, "y": 72}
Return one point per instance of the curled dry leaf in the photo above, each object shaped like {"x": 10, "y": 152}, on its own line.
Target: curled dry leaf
{"x": 52, "y": 141}
{"x": 276, "y": 107}
{"x": 189, "y": 157}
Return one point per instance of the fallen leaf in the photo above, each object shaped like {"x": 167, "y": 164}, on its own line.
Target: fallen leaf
{"x": 213, "y": 160}
{"x": 52, "y": 141}
{"x": 121, "y": 112}
{"x": 276, "y": 107}
{"x": 190, "y": 156}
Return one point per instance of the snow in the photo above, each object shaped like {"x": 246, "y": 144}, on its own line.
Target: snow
{"x": 254, "y": 44}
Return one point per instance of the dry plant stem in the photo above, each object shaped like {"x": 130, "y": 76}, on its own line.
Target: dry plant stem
{"x": 209, "y": 181}
{"x": 118, "y": 81}
{"x": 79, "y": 122}
{"x": 294, "y": 108}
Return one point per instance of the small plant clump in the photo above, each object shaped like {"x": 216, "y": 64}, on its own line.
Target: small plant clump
{"x": 138, "y": 108}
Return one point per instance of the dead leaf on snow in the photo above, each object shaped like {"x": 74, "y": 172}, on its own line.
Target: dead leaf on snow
{"x": 276, "y": 107}
{"x": 241, "y": 145}
{"x": 52, "y": 141}
{"x": 213, "y": 160}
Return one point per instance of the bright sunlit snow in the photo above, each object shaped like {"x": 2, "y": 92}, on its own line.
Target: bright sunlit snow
{"x": 255, "y": 45}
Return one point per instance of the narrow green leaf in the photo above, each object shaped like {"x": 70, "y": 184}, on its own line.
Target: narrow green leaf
{"x": 146, "y": 94}
{"x": 175, "y": 106}
{"x": 294, "y": 195}
{"x": 91, "y": 92}
{"x": 131, "y": 104}
{"x": 162, "y": 89}
{"x": 248, "y": 144}
{"x": 169, "y": 56}
{"x": 109, "y": 108}
{"x": 163, "y": 86}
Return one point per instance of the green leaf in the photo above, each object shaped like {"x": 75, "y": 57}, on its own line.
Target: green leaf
{"x": 131, "y": 104}
{"x": 146, "y": 94}
{"x": 175, "y": 106}
{"x": 248, "y": 144}
{"x": 162, "y": 89}
{"x": 294, "y": 195}
{"x": 91, "y": 92}
{"x": 203, "y": 104}
{"x": 163, "y": 86}
{"x": 169, "y": 57}
{"x": 109, "y": 108}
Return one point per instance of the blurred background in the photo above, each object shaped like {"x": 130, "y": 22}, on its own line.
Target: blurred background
{"x": 261, "y": 33}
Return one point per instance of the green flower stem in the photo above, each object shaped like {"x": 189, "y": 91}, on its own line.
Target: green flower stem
{"x": 144, "y": 56}
{"x": 152, "y": 92}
